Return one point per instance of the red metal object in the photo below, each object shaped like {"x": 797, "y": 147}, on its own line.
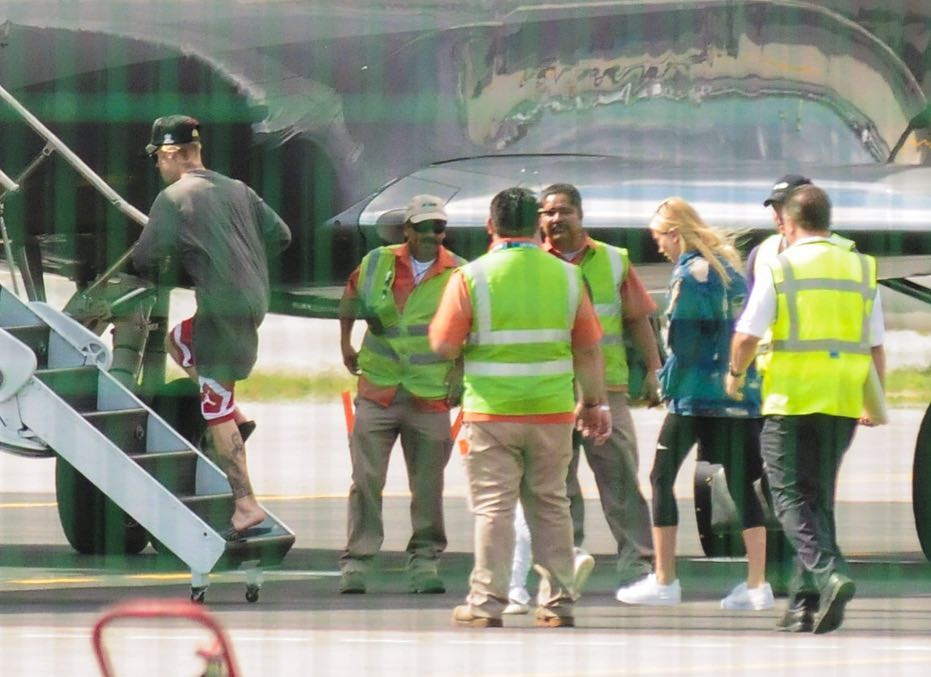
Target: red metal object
{"x": 218, "y": 657}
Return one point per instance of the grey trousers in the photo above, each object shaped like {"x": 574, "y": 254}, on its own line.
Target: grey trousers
{"x": 426, "y": 445}
{"x": 614, "y": 465}
{"x": 802, "y": 455}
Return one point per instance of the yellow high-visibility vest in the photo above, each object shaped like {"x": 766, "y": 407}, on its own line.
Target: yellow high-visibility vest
{"x": 518, "y": 359}
{"x": 400, "y": 354}
{"x": 821, "y": 337}
{"x": 765, "y": 257}
{"x": 604, "y": 268}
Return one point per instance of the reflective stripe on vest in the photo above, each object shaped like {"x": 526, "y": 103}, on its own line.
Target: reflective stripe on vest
{"x": 604, "y": 267}
{"x": 790, "y": 286}
{"x": 400, "y": 354}
{"x": 766, "y": 257}
{"x": 821, "y": 346}
{"x": 485, "y": 335}
{"x": 518, "y": 360}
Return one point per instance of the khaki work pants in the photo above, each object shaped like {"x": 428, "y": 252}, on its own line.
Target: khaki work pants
{"x": 506, "y": 462}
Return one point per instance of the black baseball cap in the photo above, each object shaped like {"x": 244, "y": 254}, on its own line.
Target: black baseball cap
{"x": 784, "y": 186}
{"x": 173, "y": 130}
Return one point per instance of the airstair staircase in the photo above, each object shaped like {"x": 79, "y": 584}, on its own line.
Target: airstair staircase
{"x": 55, "y": 389}
{"x": 56, "y": 395}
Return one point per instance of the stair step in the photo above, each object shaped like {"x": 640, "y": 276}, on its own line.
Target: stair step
{"x": 75, "y": 385}
{"x": 268, "y": 548}
{"x": 215, "y": 509}
{"x": 126, "y": 428}
{"x": 36, "y": 336}
{"x": 175, "y": 470}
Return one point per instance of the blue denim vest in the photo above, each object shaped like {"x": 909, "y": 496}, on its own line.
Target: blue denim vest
{"x": 700, "y": 318}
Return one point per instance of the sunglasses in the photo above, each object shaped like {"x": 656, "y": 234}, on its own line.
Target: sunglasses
{"x": 429, "y": 226}
{"x": 560, "y": 211}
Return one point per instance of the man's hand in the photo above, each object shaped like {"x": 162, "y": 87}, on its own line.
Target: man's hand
{"x": 593, "y": 421}
{"x": 733, "y": 386}
{"x": 650, "y": 390}
{"x": 350, "y": 358}
{"x": 454, "y": 384}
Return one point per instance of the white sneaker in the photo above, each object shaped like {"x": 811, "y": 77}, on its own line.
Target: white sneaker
{"x": 582, "y": 567}
{"x": 742, "y": 598}
{"x": 647, "y": 591}
{"x": 518, "y": 602}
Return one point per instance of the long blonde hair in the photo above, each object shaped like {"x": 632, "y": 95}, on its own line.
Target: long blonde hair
{"x": 714, "y": 245}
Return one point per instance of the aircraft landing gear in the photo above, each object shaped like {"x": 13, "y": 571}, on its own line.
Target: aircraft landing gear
{"x": 92, "y": 523}
{"x": 921, "y": 484}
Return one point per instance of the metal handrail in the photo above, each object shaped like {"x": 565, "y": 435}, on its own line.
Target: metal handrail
{"x": 56, "y": 144}
{"x": 102, "y": 186}
{"x": 7, "y": 183}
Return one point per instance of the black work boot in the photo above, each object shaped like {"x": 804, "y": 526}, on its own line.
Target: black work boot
{"x": 800, "y": 616}
{"x": 834, "y": 597}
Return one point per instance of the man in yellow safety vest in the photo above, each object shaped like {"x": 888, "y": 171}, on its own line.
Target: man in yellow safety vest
{"x": 526, "y": 327}
{"x": 820, "y": 301}
{"x": 404, "y": 390}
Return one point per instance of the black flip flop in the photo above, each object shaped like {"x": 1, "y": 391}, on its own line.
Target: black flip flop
{"x": 233, "y": 535}
{"x": 246, "y": 428}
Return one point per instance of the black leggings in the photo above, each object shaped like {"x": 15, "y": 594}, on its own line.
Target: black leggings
{"x": 732, "y": 442}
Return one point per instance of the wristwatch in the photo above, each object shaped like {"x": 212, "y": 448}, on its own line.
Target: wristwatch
{"x": 735, "y": 374}
{"x": 603, "y": 406}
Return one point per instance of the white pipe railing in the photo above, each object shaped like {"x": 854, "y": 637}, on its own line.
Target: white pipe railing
{"x": 79, "y": 165}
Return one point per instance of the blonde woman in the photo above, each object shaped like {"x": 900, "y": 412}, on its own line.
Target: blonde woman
{"x": 705, "y": 296}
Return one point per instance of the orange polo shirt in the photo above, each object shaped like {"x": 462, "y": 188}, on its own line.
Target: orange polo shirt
{"x": 453, "y": 320}
{"x": 401, "y": 288}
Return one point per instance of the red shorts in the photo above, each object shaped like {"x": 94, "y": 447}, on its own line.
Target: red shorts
{"x": 217, "y": 399}
{"x": 182, "y": 338}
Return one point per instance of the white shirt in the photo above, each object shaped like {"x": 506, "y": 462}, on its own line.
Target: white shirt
{"x": 420, "y": 268}
{"x": 760, "y": 312}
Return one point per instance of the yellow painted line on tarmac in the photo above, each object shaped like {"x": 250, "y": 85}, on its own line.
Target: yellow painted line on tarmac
{"x": 37, "y": 504}
{"x": 267, "y": 499}
{"x": 55, "y": 581}
{"x": 180, "y": 576}
{"x": 313, "y": 497}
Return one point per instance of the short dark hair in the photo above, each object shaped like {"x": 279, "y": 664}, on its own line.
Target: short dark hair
{"x": 809, "y": 207}
{"x": 514, "y": 212}
{"x": 567, "y": 189}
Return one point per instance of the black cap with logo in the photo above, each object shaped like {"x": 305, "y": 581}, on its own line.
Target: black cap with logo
{"x": 784, "y": 186}
{"x": 173, "y": 130}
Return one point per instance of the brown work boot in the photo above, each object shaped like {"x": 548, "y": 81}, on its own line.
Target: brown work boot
{"x": 463, "y": 615}
{"x": 548, "y": 619}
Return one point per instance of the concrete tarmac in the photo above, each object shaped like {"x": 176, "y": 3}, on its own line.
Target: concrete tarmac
{"x": 50, "y": 597}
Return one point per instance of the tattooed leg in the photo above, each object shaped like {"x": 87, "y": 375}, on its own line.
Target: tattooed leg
{"x": 231, "y": 457}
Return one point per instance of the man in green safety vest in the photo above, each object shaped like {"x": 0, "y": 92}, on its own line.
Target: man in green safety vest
{"x": 525, "y": 325}
{"x": 623, "y": 307}
{"x": 404, "y": 390}
{"x": 819, "y": 300}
